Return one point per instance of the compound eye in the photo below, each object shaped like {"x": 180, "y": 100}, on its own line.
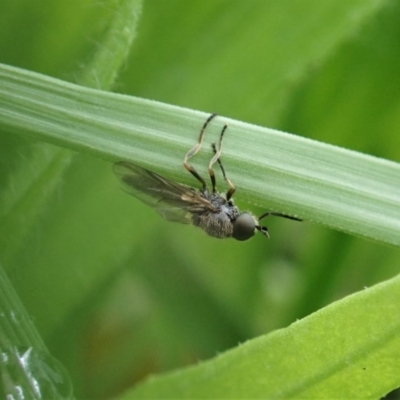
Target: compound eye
{"x": 244, "y": 227}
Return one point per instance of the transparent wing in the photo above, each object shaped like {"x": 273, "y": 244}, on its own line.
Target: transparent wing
{"x": 173, "y": 201}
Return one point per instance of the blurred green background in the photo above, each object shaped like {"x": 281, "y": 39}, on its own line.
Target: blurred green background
{"x": 116, "y": 292}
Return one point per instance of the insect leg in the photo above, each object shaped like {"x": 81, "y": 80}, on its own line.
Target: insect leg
{"x": 276, "y": 214}
{"x": 194, "y": 150}
{"x": 217, "y": 155}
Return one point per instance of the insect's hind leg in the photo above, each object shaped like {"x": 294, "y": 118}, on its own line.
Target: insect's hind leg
{"x": 194, "y": 150}
{"x": 217, "y": 155}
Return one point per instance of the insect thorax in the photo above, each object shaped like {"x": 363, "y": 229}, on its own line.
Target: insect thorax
{"x": 217, "y": 224}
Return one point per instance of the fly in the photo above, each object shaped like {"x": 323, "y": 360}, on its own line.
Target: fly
{"x": 211, "y": 211}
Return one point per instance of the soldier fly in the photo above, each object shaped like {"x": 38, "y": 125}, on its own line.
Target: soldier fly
{"x": 211, "y": 211}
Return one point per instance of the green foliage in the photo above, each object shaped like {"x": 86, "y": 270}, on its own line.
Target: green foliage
{"x": 115, "y": 292}
{"x": 288, "y": 364}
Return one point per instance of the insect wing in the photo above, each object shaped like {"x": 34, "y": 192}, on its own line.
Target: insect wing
{"x": 173, "y": 201}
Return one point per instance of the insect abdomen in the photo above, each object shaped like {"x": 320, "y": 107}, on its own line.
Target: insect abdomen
{"x": 217, "y": 225}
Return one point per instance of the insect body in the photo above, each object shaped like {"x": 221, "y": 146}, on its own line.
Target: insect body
{"x": 211, "y": 211}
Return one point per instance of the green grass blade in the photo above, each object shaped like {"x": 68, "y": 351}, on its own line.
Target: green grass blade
{"x": 342, "y": 189}
{"x": 103, "y": 68}
{"x": 27, "y": 369}
{"x": 350, "y": 349}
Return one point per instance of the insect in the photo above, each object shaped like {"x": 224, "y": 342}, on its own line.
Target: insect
{"x": 210, "y": 210}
